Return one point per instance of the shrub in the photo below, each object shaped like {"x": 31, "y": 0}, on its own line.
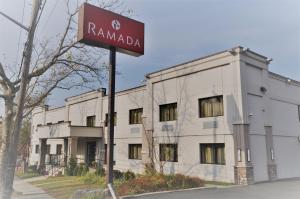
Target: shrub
{"x": 117, "y": 174}
{"x": 149, "y": 170}
{"x": 91, "y": 178}
{"x": 72, "y": 164}
{"x": 128, "y": 175}
{"x": 33, "y": 168}
{"x": 100, "y": 171}
{"x": 75, "y": 171}
{"x": 146, "y": 183}
{"x": 85, "y": 170}
{"x": 79, "y": 171}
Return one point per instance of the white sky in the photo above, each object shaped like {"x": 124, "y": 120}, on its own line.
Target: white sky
{"x": 180, "y": 30}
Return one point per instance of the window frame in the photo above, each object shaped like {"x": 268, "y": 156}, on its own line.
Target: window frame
{"x": 91, "y": 121}
{"x": 139, "y": 153}
{"x": 57, "y": 147}
{"x": 48, "y": 149}
{"x": 168, "y": 106}
{"x": 214, "y": 156}
{"x": 163, "y": 158}
{"x": 208, "y": 98}
{"x": 131, "y": 111}
{"x": 37, "y": 148}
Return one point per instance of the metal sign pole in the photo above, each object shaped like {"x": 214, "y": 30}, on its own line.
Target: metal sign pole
{"x": 111, "y": 113}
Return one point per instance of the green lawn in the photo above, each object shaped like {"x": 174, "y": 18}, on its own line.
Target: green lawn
{"x": 62, "y": 187}
{"x": 29, "y": 174}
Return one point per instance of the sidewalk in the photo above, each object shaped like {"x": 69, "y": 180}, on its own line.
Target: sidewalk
{"x": 24, "y": 190}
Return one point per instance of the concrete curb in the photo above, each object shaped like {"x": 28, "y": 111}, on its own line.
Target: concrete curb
{"x": 161, "y": 192}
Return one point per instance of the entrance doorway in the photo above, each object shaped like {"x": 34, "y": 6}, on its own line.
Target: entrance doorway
{"x": 90, "y": 153}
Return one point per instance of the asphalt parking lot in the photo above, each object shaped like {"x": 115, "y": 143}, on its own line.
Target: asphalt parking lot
{"x": 284, "y": 189}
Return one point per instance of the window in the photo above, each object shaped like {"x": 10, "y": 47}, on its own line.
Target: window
{"x": 299, "y": 112}
{"x": 90, "y": 121}
{"x": 168, "y": 112}
{"x": 106, "y": 119}
{"x": 37, "y": 148}
{"x": 212, "y": 153}
{"x": 135, "y": 151}
{"x": 48, "y": 148}
{"x": 105, "y": 155}
{"x": 168, "y": 152}
{"x": 58, "y": 149}
{"x": 211, "y": 107}
{"x": 135, "y": 116}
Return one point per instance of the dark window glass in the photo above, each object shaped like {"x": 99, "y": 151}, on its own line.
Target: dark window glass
{"x": 135, "y": 116}
{"x": 168, "y": 152}
{"x": 211, "y": 107}
{"x": 135, "y": 151}
{"x": 90, "y": 121}
{"x": 48, "y": 148}
{"x": 37, "y": 148}
{"x": 168, "y": 112}
{"x": 58, "y": 149}
{"x": 213, "y": 153}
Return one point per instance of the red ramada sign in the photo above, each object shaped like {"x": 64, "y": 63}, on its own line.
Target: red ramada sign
{"x": 105, "y": 29}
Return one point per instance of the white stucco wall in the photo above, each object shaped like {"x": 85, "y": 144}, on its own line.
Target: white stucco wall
{"x": 237, "y": 77}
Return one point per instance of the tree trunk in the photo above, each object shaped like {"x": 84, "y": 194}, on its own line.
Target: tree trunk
{"x": 6, "y": 179}
{"x": 12, "y": 123}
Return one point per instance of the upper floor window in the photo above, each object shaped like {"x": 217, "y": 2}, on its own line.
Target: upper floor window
{"x": 90, "y": 121}
{"x": 135, "y": 151}
{"x": 212, "y": 153}
{"x": 115, "y": 119}
{"x": 135, "y": 116}
{"x": 168, "y": 112}
{"x": 211, "y": 107}
{"x": 168, "y": 152}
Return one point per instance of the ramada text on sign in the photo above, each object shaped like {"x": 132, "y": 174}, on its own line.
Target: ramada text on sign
{"x": 105, "y": 29}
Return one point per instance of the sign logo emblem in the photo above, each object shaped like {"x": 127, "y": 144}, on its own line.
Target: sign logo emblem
{"x": 116, "y": 24}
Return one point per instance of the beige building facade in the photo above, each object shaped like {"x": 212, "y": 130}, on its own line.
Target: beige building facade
{"x": 223, "y": 117}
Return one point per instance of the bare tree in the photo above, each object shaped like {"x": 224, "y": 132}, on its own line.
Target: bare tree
{"x": 60, "y": 63}
{"x": 154, "y": 164}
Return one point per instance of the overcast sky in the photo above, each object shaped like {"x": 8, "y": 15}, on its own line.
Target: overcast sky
{"x": 178, "y": 31}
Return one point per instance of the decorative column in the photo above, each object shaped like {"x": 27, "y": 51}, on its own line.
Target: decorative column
{"x": 243, "y": 169}
{"x": 72, "y": 147}
{"x": 43, "y": 150}
{"x": 147, "y": 132}
{"x": 65, "y": 153}
{"x": 271, "y": 164}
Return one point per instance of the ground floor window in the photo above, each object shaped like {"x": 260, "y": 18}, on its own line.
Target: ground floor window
{"x": 212, "y": 153}
{"x": 48, "y": 148}
{"x": 135, "y": 151}
{"x": 37, "y": 148}
{"x": 58, "y": 149}
{"x": 168, "y": 152}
